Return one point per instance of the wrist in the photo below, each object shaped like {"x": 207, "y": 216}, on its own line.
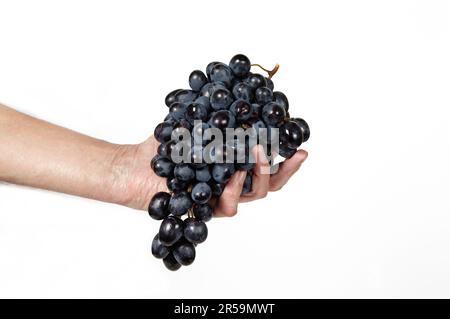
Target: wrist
{"x": 133, "y": 182}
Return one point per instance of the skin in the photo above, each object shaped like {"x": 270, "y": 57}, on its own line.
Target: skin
{"x": 39, "y": 154}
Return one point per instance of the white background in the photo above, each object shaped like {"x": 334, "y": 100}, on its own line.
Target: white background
{"x": 368, "y": 215}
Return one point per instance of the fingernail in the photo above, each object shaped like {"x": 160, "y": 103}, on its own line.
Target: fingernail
{"x": 261, "y": 155}
{"x": 241, "y": 177}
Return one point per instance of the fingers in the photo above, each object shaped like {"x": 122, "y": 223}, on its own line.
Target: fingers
{"x": 261, "y": 176}
{"x": 286, "y": 170}
{"x": 228, "y": 201}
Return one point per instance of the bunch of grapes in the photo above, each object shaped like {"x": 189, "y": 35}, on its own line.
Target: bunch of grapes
{"x": 226, "y": 97}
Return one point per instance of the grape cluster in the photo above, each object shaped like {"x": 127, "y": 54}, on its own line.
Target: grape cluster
{"x": 227, "y": 96}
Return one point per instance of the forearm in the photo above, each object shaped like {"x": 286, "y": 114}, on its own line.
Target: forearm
{"x": 39, "y": 154}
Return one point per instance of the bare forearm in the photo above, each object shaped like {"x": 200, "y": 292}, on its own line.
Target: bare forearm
{"x": 39, "y": 154}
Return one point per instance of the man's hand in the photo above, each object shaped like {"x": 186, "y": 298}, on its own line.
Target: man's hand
{"x": 135, "y": 182}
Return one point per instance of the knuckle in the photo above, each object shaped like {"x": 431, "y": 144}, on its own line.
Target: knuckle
{"x": 230, "y": 212}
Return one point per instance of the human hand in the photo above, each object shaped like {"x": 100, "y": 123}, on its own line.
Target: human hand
{"x": 135, "y": 183}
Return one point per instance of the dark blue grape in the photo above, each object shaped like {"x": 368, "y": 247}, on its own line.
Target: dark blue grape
{"x": 210, "y": 88}
{"x": 222, "y": 172}
{"x": 201, "y": 193}
{"x": 197, "y": 79}
{"x": 184, "y": 172}
{"x": 196, "y": 111}
{"x": 281, "y": 99}
{"x": 204, "y": 100}
{"x": 304, "y": 127}
{"x": 210, "y": 66}
{"x": 203, "y": 212}
{"x": 171, "y": 263}
{"x": 243, "y": 91}
{"x": 286, "y": 152}
{"x": 185, "y": 96}
{"x": 221, "y": 99}
{"x": 241, "y": 109}
{"x": 158, "y": 249}
{"x": 222, "y": 119}
{"x": 163, "y": 167}
{"x": 203, "y": 174}
{"x": 217, "y": 188}
{"x": 240, "y": 65}
{"x": 291, "y": 134}
{"x": 247, "y": 184}
{"x": 177, "y": 111}
{"x": 165, "y": 149}
{"x": 163, "y": 132}
{"x": 170, "y": 231}
{"x": 170, "y": 98}
{"x": 158, "y": 207}
{"x": 270, "y": 84}
{"x": 195, "y": 231}
{"x": 255, "y": 81}
{"x": 175, "y": 185}
{"x": 184, "y": 252}
{"x": 221, "y": 73}
{"x": 273, "y": 114}
{"x": 179, "y": 203}
{"x": 263, "y": 95}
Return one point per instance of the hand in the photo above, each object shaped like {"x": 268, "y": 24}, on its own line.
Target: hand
{"x": 136, "y": 183}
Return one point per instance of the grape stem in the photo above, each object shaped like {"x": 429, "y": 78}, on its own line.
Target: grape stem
{"x": 269, "y": 72}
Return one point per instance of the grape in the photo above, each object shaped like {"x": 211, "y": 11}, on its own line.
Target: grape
{"x": 286, "y": 151}
{"x": 157, "y": 208}
{"x": 291, "y": 134}
{"x": 255, "y": 81}
{"x": 222, "y": 119}
{"x": 209, "y": 68}
{"x": 163, "y": 167}
{"x": 304, "y": 127}
{"x": 263, "y": 95}
{"x": 221, "y": 73}
{"x": 171, "y": 263}
{"x": 179, "y": 203}
{"x": 270, "y": 84}
{"x": 217, "y": 188}
{"x": 204, "y": 100}
{"x": 201, "y": 193}
{"x": 196, "y": 111}
{"x": 177, "y": 110}
{"x": 240, "y": 65}
{"x": 203, "y": 212}
{"x": 221, "y": 99}
{"x": 203, "y": 174}
{"x": 195, "y": 231}
{"x": 185, "y": 96}
{"x": 184, "y": 172}
{"x": 197, "y": 79}
{"x": 184, "y": 253}
{"x": 210, "y": 88}
{"x": 243, "y": 91}
{"x": 163, "y": 132}
{"x": 170, "y": 98}
{"x": 273, "y": 114}
{"x": 158, "y": 249}
{"x": 175, "y": 185}
{"x": 170, "y": 231}
{"x": 222, "y": 172}
{"x": 225, "y": 96}
{"x": 281, "y": 99}
{"x": 165, "y": 149}
{"x": 241, "y": 109}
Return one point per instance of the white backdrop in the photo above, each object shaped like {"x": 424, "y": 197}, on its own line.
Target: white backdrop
{"x": 368, "y": 215}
